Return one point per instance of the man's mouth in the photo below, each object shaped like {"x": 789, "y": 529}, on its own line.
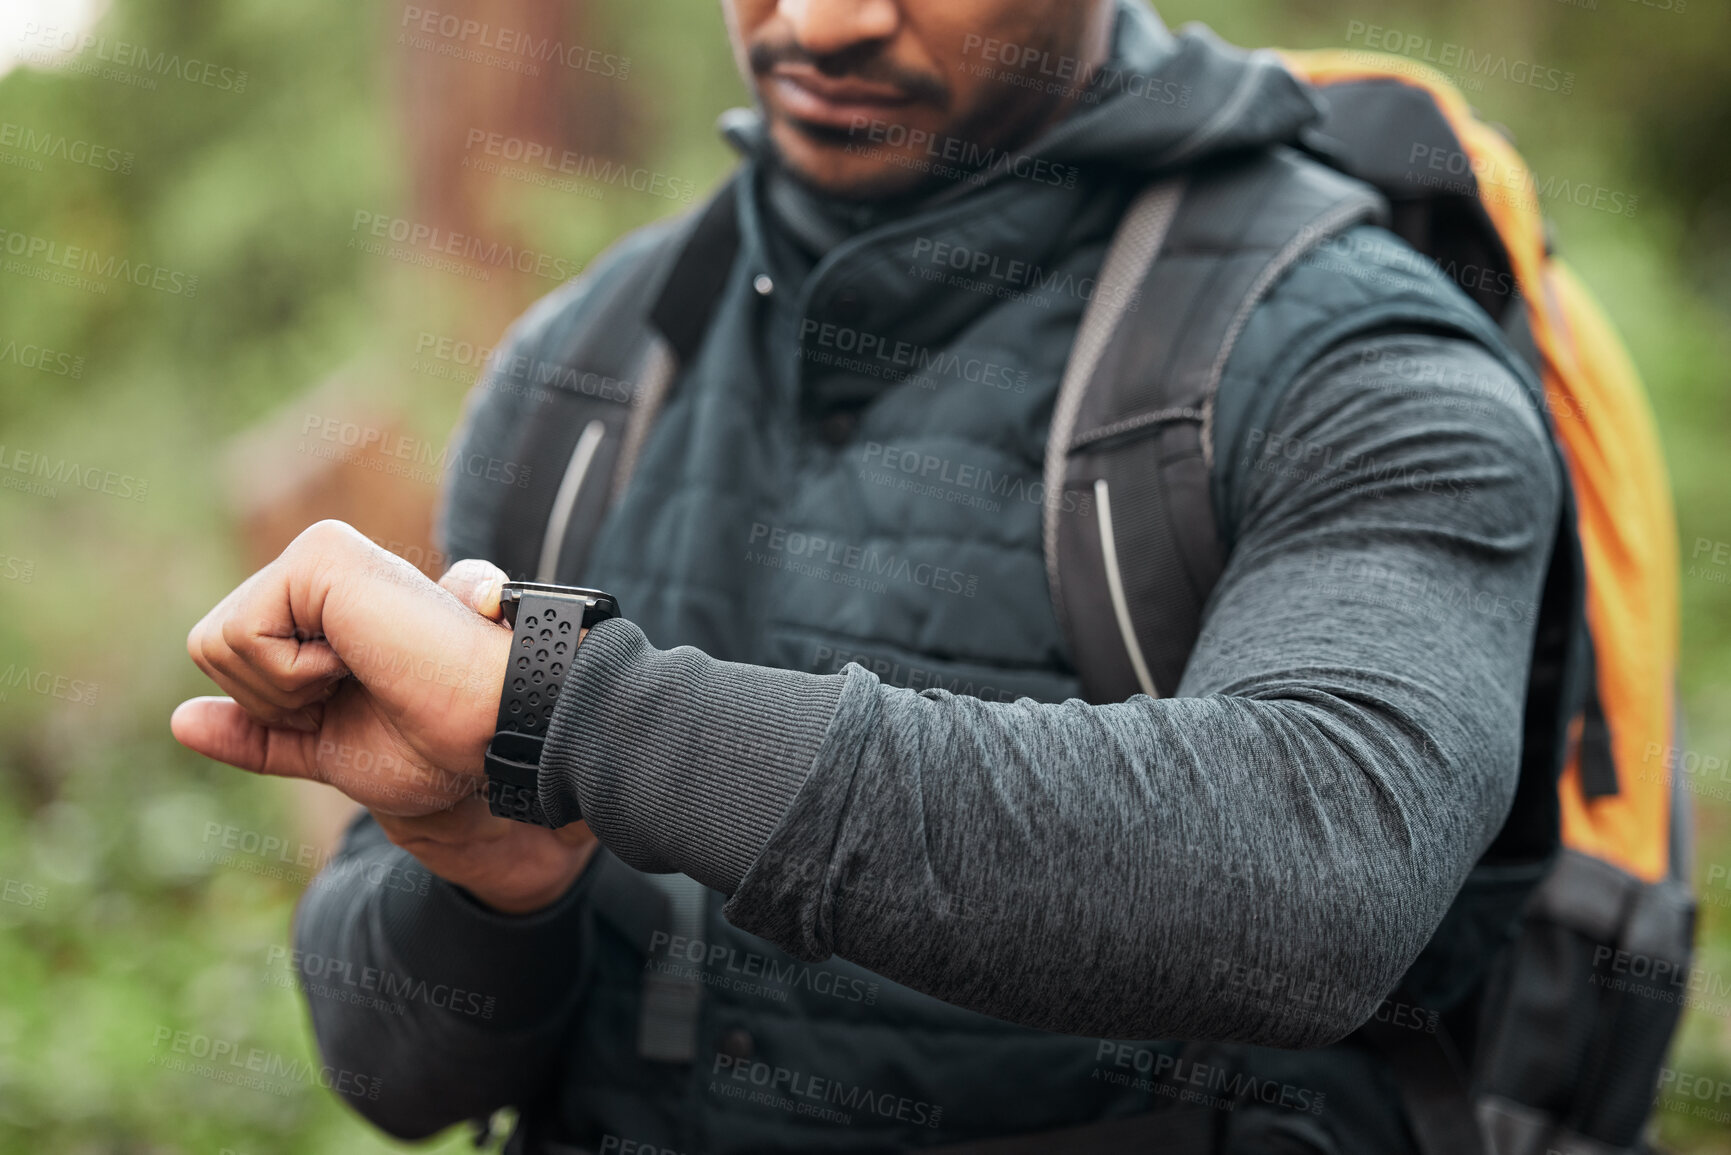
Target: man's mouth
{"x": 807, "y": 95}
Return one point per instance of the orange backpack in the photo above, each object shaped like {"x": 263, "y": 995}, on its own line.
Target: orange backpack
{"x": 1559, "y": 974}
{"x": 1626, "y": 522}
{"x": 1574, "y": 1039}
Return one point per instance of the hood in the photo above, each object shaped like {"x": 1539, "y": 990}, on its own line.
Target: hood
{"x": 1161, "y": 102}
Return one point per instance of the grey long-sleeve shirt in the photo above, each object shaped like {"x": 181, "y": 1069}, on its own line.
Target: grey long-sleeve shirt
{"x": 1343, "y": 746}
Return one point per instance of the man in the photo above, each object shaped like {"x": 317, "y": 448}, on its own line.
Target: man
{"x": 941, "y": 892}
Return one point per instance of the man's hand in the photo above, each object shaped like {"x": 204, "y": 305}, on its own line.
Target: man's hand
{"x": 347, "y": 665}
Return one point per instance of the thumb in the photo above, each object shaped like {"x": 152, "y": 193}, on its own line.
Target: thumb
{"x": 476, "y": 583}
{"x": 220, "y": 728}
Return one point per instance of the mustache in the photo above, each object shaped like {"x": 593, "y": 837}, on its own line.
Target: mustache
{"x": 864, "y": 62}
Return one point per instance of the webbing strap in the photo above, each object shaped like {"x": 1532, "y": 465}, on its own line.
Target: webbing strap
{"x": 673, "y": 996}
{"x": 1432, "y": 1088}
{"x": 1134, "y": 248}
{"x": 1131, "y": 430}
{"x": 1598, "y": 763}
{"x": 616, "y": 370}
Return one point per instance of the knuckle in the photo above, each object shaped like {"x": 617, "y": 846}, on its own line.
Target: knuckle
{"x": 237, "y": 637}
{"x": 324, "y": 536}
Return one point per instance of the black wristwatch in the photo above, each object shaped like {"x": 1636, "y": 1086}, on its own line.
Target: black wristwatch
{"x": 545, "y": 622}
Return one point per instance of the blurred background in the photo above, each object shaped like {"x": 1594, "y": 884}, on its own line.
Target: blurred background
{"x": 248, "y": 349}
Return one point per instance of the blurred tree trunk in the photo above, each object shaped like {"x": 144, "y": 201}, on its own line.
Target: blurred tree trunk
{"x": 541, "y": 100}
{"x": 287, "y": 473}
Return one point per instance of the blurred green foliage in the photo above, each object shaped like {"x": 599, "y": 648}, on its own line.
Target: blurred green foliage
{"x": 119, "y": 921}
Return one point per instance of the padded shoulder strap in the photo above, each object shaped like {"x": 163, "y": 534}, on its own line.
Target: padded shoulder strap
{"x": 1133, "y": 422}
{"x": 596, "y": 388}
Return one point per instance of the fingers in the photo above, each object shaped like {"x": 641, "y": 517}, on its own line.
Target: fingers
{"x": 477, "y": 584}
{"x": 222, "y": 729}
{"x": 263, "y": 643}
{"x": 280, "y": 681}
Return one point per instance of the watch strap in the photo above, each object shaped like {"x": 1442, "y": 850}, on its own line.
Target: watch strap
{"x": 546, "y": 624}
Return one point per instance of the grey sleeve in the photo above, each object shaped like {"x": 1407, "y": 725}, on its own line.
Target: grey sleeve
{"x": 433, "y": 1007}
{"x": 1298, "y": 817}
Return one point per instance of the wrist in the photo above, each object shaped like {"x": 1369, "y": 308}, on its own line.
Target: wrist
{"x": 521, "y": 898}
{"x": 490, "y": 655}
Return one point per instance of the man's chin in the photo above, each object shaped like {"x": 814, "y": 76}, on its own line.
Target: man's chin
{"x": 835, "y": 164}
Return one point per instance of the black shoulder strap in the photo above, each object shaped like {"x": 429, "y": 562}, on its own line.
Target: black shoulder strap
{"x": 595, "y": 389}
{"x": 1132, "y": 426}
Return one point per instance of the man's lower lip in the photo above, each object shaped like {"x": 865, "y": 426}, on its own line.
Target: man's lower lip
{"x": 803, "y": 104}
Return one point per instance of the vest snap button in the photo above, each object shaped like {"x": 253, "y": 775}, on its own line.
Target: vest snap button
{"x": 763, "y": 285}
{"x": 738, "y": 1044}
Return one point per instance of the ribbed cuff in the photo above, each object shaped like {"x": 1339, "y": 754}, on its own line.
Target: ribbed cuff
{"x": 678, "y": 762}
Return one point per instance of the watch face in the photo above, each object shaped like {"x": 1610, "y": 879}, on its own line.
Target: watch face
{"x": 598, "y": 605}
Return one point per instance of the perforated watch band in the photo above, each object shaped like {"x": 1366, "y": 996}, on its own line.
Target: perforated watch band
{"x": 546, "y": 624}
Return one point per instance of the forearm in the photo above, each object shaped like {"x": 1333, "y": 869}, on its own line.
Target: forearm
{"x": 456, "y": 1011}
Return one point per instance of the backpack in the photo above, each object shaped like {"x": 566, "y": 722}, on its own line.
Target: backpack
{"x": 1571, "y": 1029}
{"x": 1579, "y": 920}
